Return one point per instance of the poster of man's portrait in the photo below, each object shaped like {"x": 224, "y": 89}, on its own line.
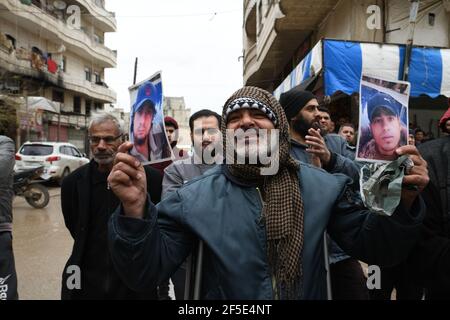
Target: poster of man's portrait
{"x": 383, "y": 119}
{"x": 147, "y": 130}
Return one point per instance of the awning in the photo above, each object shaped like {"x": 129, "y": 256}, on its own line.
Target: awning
{"x": 344, "y": 61}
{"x": 41, "y": 103}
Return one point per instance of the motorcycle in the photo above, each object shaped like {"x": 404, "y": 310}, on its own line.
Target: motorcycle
{"x": 26, "y": 185}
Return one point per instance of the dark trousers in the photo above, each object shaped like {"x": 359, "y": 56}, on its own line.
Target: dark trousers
{"x": 178, "y": 280}
{"x": 348, "y": 281}
{"x": 8, "y": 276}
{"x": 397, "y": 277}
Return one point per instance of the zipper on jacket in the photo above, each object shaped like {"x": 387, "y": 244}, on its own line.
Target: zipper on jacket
{"x": 263, "y": 206}
{"x": 261, "y": 219}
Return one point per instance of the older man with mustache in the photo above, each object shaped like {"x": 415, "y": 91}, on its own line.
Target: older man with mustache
{"x": 87, "y": 204}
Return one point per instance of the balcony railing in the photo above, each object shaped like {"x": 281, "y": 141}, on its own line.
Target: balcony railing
{"x": 76, "y": 40}
{"x": 97, "y": 10}
{"x": 21, "y": 63}
{"x": 250, "y": 58}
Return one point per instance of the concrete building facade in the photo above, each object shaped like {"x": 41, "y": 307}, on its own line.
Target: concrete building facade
{"x": 175, "y": 107}
{"x": 55, "y": 50}
{"x": 278, "y": 34}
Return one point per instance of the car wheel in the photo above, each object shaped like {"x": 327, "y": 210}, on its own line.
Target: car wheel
{"x": 65, "y": 173}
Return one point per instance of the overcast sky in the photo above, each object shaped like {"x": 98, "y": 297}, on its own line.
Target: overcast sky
{"x": 195, "y": 43}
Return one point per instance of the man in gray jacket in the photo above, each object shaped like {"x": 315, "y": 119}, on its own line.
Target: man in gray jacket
{"x": 262, "y": 230}
{"x": 8, "y": 277}
{"x": 205, "y": 134}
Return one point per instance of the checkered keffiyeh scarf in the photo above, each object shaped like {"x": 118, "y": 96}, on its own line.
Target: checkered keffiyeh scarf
{"x": 283, "y": 201}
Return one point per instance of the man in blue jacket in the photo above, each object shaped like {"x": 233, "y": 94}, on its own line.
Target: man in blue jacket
{"x": 263, "y": 233}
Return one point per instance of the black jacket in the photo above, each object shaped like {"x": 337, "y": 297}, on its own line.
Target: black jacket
{"x": 6, "y": 182}
{"x": 433, "y": 253}
{"x": 75, "y": 200}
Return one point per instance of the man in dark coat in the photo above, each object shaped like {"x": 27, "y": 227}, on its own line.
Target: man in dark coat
{"x": 311, "y": 143}
{"x": 433, "y": 254}
{"x": 87, "y": 204}
{"x": 8, "y": 277}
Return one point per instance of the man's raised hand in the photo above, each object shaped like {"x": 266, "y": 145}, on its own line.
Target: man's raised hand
{"x": 417, "y": 178}
{"x": 128, "y": 182}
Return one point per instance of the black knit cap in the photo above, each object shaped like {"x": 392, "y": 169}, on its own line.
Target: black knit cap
{"x": 294, "y": 100}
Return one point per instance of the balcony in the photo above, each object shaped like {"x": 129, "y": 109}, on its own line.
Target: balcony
{"x": 23, "y": 67}
{"x": 105, "y": 20}
{"x": 281, "y": 29}
{"x": 90, "y": 89}
{"x": 250, "y": 58}
{"x": 249, "y": 8}
{"x": 31, "y": 17}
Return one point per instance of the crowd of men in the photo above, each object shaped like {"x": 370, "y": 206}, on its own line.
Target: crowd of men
{"x": 255, "y": 235}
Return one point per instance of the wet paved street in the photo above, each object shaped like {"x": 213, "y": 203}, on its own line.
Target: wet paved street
{"x": 42, "y": 246}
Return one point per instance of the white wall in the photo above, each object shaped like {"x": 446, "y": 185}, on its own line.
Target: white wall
{"x": 425, "y": 34}
{"x": 349, "y": 22}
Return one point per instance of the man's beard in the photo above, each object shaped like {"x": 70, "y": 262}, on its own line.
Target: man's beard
{"x": 323, "y": 130}
{"x": 139, "y": 141}
{"x": 104, "y": 158}
{"x": 302, "y": 126}
{"x": 173, "y": 144}
{"x": 252, "y": 151}
{"x": 205, "y": 154}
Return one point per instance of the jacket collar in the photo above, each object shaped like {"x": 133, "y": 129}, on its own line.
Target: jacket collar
{"x": 236, "y": 180}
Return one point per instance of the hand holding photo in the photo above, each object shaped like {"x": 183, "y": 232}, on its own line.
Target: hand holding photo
{"x": 383, "y": 119}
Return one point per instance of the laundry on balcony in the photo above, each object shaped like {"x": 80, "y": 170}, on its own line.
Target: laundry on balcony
{"x": 52, "y": 66}
{"x": 37, "y": 59}
{"x": 6, "y": 43}
{"x": 23, "y": 54}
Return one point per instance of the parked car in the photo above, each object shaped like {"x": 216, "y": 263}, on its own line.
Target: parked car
{"x": 58, "y": 158}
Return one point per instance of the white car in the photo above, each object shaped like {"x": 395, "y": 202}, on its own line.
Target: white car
{"x": 58, "y": 158}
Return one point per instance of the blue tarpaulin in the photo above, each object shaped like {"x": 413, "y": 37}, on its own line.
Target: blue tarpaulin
{"x": 341, "y": 63}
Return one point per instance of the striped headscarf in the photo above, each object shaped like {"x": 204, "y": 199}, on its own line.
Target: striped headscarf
{"x": 284, "y": 214}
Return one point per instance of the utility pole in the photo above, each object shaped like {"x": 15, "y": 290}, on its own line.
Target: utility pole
{"x": 414, "y": 8}
{"x": 135, "y": 70}
{"x": 25, "y": 93}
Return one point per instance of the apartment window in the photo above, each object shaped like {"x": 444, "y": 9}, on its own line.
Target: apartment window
{"x": 58, "y": 96}
{"x": 12, "y": 39}
{"x": 77, "y": 104}
{"x": 97, "y": 39}
{"x": 98, "y": 106}
{"x": 63, "y": 64}
{"x": 97, "y": 77}
{"x": 38, "y": 3}
{"x": 88, "y": 74}
{"x": 88, "y": 107}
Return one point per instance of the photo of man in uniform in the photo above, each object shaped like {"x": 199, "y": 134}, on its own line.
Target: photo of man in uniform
{"x": 147, "y": 128}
